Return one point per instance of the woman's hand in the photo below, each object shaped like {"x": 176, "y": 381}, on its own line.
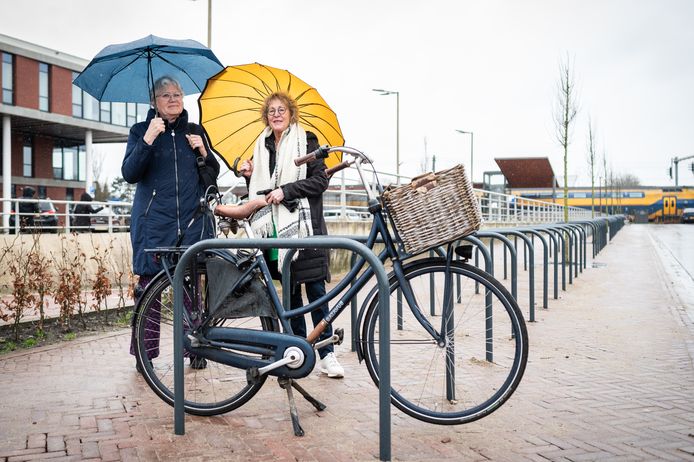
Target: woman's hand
{"x": 246, "y": 168}
{"x": 156, "y": 128}
{"x": 195, "y": 142}
{"x": 275, "y": 196}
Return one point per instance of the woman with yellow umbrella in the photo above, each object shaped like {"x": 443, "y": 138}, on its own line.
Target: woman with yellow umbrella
{"x": 273, "y": 178}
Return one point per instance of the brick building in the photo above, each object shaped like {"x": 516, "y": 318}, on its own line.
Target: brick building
{"x": 49, "y": 126}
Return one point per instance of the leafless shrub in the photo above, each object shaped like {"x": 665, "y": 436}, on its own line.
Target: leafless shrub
{"x": 101, "y": 284}
{"x": 40, "y": 279}
{"x": 68, "y": 291}
{"x": 22, "y": 298}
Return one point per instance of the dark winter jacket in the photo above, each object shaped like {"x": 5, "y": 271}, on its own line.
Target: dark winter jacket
{"x": 311, "y": 264}
{"x": 81, "y": 220}
{"x": 168, "y": 191}
{"x": 28, "y": 209}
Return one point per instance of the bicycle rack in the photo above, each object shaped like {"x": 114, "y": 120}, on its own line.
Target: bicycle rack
{"x": 323, "y": 242}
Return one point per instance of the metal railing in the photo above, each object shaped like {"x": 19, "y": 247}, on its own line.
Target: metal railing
{"x": 349, "y": 204}
{"x": 56, "y": 216}
{"x": 340, "y": 204}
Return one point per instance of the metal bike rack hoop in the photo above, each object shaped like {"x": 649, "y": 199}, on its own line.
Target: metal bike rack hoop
{"x": 304, "y": 243}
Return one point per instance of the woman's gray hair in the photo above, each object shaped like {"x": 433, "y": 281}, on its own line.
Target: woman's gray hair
{"x": 163, "y": 82}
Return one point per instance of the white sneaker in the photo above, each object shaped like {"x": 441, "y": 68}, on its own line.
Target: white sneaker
{"x": 330, "y": 366}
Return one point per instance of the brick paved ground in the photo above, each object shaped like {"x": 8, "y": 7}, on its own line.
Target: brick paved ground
{"x": 610, "y": 377}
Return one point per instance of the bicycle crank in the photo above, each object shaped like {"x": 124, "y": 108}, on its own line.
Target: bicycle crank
{"x": 258, "y": 352}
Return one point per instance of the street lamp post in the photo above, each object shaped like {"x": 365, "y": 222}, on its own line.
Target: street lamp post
{"x": 209, "y": 23}
{"x": 397, "y": 128}
{"x": 472, "y": 145}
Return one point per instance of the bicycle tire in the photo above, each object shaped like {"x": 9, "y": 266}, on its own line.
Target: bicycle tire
{"x": 212, "y": 390}
{"x": 489, "y": 359}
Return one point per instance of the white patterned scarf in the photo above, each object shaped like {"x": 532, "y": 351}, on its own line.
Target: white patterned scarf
{"x": 288, "y": 224}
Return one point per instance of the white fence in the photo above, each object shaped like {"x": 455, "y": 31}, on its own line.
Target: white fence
{"x": 342, "y": 202}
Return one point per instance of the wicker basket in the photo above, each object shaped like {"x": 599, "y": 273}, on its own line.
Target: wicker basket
{"x": 435, "y": 208}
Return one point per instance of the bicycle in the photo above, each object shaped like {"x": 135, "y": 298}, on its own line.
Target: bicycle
{"x": 454, "y": 363}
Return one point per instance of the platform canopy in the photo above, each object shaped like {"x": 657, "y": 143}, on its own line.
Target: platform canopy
{"x": 527, "y": 172}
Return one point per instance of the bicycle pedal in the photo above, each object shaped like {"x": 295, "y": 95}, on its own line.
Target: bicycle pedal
{"x": 252, "y": 375}
{"x": 340, "y": 332}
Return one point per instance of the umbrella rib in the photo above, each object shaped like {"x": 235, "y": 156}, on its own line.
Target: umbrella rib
{"x": 235, "y": 132}
{"x": 229, "y": 113}
{"x": 277, "y": 82}
{"x": 310, "y": 125}
{"x": 256, "y": 89}
{"x": 166, "y": 60}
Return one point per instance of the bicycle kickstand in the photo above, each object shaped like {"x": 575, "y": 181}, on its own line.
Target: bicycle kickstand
{"x": 287, "y": 384}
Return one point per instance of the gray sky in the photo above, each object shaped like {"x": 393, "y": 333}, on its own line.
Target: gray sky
{"x": 490, "y": 67}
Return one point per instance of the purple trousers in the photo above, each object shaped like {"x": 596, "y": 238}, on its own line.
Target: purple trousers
{"x": 153, "y": 323}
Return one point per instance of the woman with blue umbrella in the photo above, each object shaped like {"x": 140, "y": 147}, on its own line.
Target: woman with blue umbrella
{"x": 162, "y": 159}
{"x": 167, "y": 157}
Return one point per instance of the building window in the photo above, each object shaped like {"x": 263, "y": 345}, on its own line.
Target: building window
{"x": 7, "y": 79}
{"x": 42, "y": 192}
{"x": 131, "y": 114}
{"x": 76, "y": 98}
{"x": 43, "y": 87}
{"x": 142, "y": 110}
{"x": 91, "y": 107}
{"x": 58, "y": 163}
{"x": 27, "y": 158}
{"x": 118, "y": 114}
{"x": 69, "y": 163}
{"x": 70, "y": 196}
{"x": 105, "y": 112}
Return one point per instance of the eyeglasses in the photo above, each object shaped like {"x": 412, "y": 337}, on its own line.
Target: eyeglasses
{"x": 279, "y": 111}
{"x": 170, "y": 96}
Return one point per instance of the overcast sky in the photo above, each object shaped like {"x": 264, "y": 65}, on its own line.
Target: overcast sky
{"x": 490, "y": 67}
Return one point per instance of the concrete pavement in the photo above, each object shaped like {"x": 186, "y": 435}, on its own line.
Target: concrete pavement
{"x": 610, "y": 377}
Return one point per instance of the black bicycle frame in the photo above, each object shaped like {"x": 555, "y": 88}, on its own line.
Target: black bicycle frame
{"x": 378, "y": 226}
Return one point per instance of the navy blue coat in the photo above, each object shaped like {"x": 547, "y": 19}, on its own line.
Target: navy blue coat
{"x": 168, "y": 191}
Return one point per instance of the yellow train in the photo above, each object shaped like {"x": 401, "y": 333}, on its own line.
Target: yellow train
{"x": 652, "y": 203}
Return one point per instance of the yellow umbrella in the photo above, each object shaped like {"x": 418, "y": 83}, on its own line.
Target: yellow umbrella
{"x": 230, "y": 110}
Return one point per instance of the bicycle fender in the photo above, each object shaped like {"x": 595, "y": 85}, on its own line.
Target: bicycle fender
{"x": 360, "y": 320}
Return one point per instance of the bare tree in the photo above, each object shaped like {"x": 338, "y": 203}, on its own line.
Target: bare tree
{"x": 604, "y": 176}
{"x": 122, "y": 190}
{"x": 97, "y": 164}
{"x": 627, "y": 180}
{"x": 591, "y": 164}
{"x": 564, "y": 115}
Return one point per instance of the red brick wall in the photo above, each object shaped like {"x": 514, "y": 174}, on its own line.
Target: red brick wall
{"x": 43, "y": 157}
{"x": 27, "y": 82}
{"x": 61, "y": 90}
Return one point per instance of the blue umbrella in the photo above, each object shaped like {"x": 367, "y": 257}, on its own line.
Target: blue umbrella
{"x": 126, "y": 72}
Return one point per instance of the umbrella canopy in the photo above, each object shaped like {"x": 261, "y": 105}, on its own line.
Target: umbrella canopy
{"x": 230, "y": 110}
{"x": 126, "y": 72}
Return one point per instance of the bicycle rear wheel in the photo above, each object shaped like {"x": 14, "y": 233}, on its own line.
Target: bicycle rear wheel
{"x": 211, "y": 388}
{"x": 474, "y": 369}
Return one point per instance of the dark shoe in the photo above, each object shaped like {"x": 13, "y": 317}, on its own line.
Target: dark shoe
{"x": 198, "y": 363}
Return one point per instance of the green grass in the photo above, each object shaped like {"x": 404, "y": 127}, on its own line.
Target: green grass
{"x": 125, "y": 318}
{"x": 70, "y": 336}
{"x": 8, "y": 346}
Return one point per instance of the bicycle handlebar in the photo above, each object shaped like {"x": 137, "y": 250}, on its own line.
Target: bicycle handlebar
{"x": 341, "y": 166}
{"x": 320, "y": 153}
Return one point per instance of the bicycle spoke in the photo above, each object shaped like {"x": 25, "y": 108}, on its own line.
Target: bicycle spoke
{"x": 455, "y": 380}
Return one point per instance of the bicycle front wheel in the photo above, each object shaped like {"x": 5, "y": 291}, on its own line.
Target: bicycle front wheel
{"x": 471, "y": 370}
{"x": 211, "y": 388}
